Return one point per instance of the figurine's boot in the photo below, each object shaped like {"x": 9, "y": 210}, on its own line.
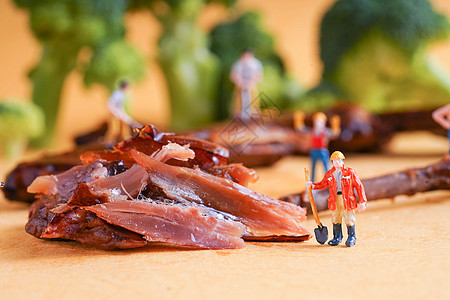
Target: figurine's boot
{"x": 337, "y": 235}
{"x": 351, "y": 240}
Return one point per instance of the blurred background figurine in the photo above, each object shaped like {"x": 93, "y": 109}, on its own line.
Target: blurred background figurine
{"x": 320, "y": 136}
{"x": 119, "y": 122}
{"x": 442, "y": 116}
{"x": 342, "y": 182}
{"x": 245, "y": 74}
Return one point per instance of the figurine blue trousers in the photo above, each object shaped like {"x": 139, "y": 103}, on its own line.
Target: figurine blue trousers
{"x": 322, "y": 154}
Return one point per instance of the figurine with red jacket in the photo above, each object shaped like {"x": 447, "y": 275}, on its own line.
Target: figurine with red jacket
{"x": 342, "y": 182}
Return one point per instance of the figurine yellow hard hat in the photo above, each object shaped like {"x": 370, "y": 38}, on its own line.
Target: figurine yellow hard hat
{"x": 337, "y": 155}
{"x": 319, "y": 116}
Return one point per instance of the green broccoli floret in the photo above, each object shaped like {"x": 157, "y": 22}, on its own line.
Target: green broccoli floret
{"x": 114, "y": 61}
{"x": 320, "y": 98}
{"x": 64, "y": 28}
{"x": 19, "y": 122}
{"x": 374, "y": 53}
{"x": 230, "y": 39}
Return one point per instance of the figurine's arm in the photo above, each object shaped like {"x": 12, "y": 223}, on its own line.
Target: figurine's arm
{"x": 442, "y": 116}
{"x": 299, "y": 121}
{"x": 234, "y": 76}
{"x": 357, "y": 184}
{"x": 259, "y": 72}
{"x": 335, "y": 126}
{"x": 323, "y": 184}
{"x": 119, "y": 112}
{"x": 335, "y": 130}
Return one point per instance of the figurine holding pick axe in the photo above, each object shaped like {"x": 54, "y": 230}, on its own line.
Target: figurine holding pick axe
{"x": 342, "y": 182}
{"x": 119, "y": 120}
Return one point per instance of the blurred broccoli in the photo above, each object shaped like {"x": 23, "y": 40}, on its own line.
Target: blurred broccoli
{"x": 230, "y": 39}
{"x": 64, "y": 28}
{"x": 190, "y": 69}
{"x": 320, "y": 98}
{"x": 114, "y": 61}
{"x": 19, "y": 122}
{"x": 374, "y": 53}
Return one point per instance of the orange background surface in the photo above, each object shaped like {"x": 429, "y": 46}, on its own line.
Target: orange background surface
{"x": 402, "y": 247}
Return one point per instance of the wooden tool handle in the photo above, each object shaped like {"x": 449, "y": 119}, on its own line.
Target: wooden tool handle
{"x": 311, "y": 200}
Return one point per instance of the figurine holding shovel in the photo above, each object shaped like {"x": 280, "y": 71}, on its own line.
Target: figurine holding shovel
{"x": 342, "y": 182}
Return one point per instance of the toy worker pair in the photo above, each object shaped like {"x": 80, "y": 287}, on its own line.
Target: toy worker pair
{"x": 342, "y": 183}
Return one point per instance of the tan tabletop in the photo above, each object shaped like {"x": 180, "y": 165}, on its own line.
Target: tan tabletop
{"x": 402, "y": 247}
{"x": 401, "y": 252}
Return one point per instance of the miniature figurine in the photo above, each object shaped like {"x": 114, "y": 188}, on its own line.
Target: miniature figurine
{"x": 342, "y": 181}
{"x": 120, "y": 122}
{"x": 320, "y": 136}
{"x": 442, "y": 116}
{"x": 245, "y": 74}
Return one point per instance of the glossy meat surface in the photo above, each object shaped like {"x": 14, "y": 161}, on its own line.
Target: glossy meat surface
{"x": 175, "y": 224}
{"x": 261, "y": 214}
{"x": 125, "y": 198}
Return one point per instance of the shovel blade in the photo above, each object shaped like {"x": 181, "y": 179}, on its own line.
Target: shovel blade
{"x": 321, "y": 234}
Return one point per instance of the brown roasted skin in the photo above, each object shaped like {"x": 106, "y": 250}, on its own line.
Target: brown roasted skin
{"x": 149, "y": 139}
{"x": 258, "y": 142}
{"x": 107, "y": 155}
{"x": 23, "y": 174}
{"x": 435, "y": 176}
{"x": 361, "y": 131}
{"x": 235, "y": 172}
{"x": 79, "y": 225}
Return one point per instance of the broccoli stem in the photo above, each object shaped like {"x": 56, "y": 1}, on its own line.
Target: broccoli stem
{"x": 191, "y": 70}
{"x": 14, "y": 146}
{"x": 48, "y": 80}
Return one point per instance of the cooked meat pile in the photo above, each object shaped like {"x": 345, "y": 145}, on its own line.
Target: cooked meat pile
{"x": 159, "y": 187}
